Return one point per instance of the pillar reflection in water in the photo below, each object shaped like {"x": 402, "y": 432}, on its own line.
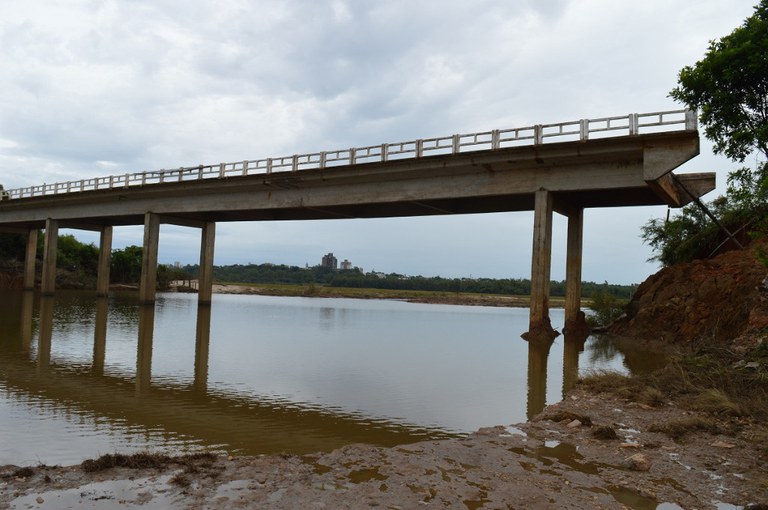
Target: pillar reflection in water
{"x": 45, "y": 333}
{"x": 202, "y": 342}
{"x": 27, "y": 305}
{"x": 100, "y": 335}
{"x": 572, "y": 346}
{"x": 144, "y": 349}
{"x": 538, "y": 353}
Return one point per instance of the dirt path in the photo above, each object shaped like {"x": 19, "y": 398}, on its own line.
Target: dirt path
{"x": 541, "y": 464}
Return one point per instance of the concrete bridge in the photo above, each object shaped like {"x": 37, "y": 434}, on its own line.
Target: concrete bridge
{"x": 563, "y": 167}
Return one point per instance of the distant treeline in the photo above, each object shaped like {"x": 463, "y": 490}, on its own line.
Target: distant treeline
{"x": 354, "y": 278}
{"x": 77, "y": 262}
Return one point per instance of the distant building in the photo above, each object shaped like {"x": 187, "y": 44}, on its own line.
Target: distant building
{"x": 346, "y": 264}
{"x": 330, "y": 262}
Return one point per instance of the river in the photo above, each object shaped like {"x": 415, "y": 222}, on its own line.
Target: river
{"x": 81, "y": 377}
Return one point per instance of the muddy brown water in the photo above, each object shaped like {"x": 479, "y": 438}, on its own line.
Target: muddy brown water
{"x": 81, "y": 376}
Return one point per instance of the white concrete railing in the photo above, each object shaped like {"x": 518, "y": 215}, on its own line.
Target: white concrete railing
{"x": 578, "y": 130}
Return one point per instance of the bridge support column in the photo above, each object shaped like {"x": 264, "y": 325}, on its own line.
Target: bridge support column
{"x": 205, "y": 287}
{"x": 575, "y": 322}
{"x": 539, "y": 324}
{"x": 148, "y": 282}
{"x": 30, "y": 260}
{"x": 105, "y": 257}
{"x": 48, "y": 284}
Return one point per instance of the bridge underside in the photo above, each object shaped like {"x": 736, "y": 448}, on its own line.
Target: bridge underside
{"x": 565, "y": 177}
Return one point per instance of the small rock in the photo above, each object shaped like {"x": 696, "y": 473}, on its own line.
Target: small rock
{"x": 604, "y": 432}
{"x": 40, "y": 500}
{"x": 722, "y": 444}
{"x": 752, "y": 364}
{"x": 637, "y": 462}
{"x": 574, "y": 424}
{"x": 629, "y": 445}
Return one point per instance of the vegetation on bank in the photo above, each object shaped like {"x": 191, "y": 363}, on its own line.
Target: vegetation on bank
{"x": 77, "y": 262}
{"x": 356, "y": 279}
{"x": 727, "y": 390}
{"x": 729, "y": 89}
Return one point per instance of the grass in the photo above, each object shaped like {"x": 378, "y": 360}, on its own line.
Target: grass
{"x": 679, "y": 428}
{"x": 148, "y": 460}
{"x": 722, "y": 387}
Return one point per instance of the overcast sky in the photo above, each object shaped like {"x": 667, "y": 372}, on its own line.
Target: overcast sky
{"x": 96, "y": 87}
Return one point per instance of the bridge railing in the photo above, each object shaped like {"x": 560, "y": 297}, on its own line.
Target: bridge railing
{"x": 577, "y": 130}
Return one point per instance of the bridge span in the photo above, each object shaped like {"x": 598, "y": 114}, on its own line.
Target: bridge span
{"x": 564, "y": 167}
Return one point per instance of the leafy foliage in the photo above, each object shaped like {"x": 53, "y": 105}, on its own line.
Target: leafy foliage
{"x": 126, "y": 265}
{"x": 691, "y": 234}
{"x": 606, "y": 307}
{"x": 730, "y": 88}
{"x": 12, "y": 247}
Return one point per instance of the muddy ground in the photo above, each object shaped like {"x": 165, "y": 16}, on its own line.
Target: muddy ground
{"x": 540, "y": 464}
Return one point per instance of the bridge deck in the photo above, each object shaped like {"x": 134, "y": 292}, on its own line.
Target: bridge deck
{"x": 610, "y": 172}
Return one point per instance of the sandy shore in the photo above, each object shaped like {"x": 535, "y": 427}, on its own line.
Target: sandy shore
{"x": 541, "y": 464}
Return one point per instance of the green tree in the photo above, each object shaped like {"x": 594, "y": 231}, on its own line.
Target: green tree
{"x": 126, "y": 265}
{"x": 729, "y": 87}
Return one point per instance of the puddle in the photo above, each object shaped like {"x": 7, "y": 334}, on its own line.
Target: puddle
{"x": 631, "y": 499}
{"x": 365, "y": 475}
{"x": 145, "y": 493}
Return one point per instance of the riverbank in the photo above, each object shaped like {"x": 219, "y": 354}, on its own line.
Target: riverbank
{"x": 567, "y": 457}
{"x": 414, "y": 296}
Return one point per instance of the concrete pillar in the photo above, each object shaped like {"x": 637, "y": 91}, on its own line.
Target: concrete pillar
{"x": 48, "y": 284}
{"x": 541, "y": 264}
{"x": 30, "y": 260}
{"x": 205, "y": 289}
{"x": 148, "y": 282}
{"x": 105, "y": 257}
{"x": 574, "y": 319}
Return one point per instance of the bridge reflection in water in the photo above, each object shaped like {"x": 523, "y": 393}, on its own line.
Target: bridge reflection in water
{"x": 241, "y": 422}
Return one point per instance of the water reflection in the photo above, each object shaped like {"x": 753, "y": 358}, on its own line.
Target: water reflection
{"x": 144, "y": 350}
{"x": 100, "y": 335}
{"x": 538, "y": 353}
{"x": 45, "y": 334}
{"x": 202, "y": 345}
{"x": 27, "y": 302}
{"x": 266, "y": 375}
{"x": 573, "y": 345}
